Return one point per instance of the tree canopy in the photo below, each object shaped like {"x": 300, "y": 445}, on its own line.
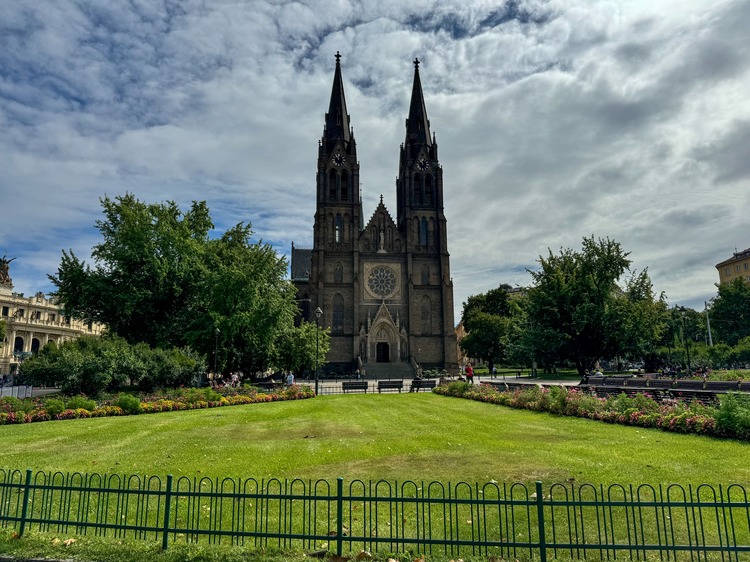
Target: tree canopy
{"x": 730, "y": 312}
{"x": 487, "y": 319}
{"x": 578, "y": 313}
{"x": 160, "y": 279}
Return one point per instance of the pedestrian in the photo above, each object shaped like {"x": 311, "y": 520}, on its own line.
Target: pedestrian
{"x": 469, "y": 374}
{"x": 290, "y": 378}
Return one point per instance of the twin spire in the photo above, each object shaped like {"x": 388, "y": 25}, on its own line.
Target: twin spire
{"x": 337, "y": 118}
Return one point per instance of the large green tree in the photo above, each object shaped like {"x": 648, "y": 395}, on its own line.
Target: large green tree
{"x": 578, "y": 313}
{"x": 730, "y": 312}
{"x": 159, "y": 278}
{"x": 487, "y": 320}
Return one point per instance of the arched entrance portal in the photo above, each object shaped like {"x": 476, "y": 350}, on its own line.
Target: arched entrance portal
{"x": 382, "y": 352}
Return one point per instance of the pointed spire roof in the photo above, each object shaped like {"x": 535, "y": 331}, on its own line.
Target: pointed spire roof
{"x": 417, "y": 125}
{"x": 337, "y": 118}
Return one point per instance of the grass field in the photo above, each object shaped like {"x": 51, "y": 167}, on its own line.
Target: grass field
{"x": 408, "y": 436}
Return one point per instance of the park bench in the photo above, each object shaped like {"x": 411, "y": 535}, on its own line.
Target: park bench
{"x": 659, "y": 388}
{"x": 354, "y": 385}
{"x": 722, "y": 387}
{"x": 744, "y": 386}
{"x": 390, "y": 385}
{"x": 267, "y": 385}
{"x": 689, "y": 388}
{"x": 417, "y": 384}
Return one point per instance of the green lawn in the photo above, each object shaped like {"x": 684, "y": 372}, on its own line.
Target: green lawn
{"x": 392, "y": 436}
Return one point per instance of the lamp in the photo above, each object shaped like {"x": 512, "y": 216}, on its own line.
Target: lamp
{"x": 318, "y": 313}
{"x": 216, "y": 350}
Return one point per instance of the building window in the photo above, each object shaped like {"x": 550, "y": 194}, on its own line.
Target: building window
{"x": 425, "y": 275}
{"x": 418, "y": 194}
{"x": 737, "y": 268}
{"x": 338, "y": 228}
{"x": 726, "y": 271}
{"x": 428, "y": 189}
{"x": 6, "y": 311}
{"x": 344, "y": 186}
{"x": 423, "y": 232}
{"x": 36, "y": 315}
{"x": 338, "y": 273}
{"x": 21, "y": 312}
{"x": 747, "y": 266}
{"x": 337, "y": 318}
{"x": 426, "y": 315}
{"x": 52, "y": 317}
{"x": 332, "y": 185}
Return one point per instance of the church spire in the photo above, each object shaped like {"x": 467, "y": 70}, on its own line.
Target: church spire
{"x": 417, "y": 125}
{"x": 337, "y": 118}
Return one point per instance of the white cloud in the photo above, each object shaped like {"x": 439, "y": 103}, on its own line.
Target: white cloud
{"x": 555, "y": 119}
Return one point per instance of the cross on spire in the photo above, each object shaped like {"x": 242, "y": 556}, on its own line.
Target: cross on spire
{"x": 416, "y": 64}
{"x": 338, "y": 57}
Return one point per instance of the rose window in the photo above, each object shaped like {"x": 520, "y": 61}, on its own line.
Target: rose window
{"x": 382, "y": 281}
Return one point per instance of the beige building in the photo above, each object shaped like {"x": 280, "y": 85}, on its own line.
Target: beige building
{"x": 736, "y": 266}
{"x": 32, "y": 322}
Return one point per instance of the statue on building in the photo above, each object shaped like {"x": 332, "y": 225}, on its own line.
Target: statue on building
{"x": 5, "y": 271}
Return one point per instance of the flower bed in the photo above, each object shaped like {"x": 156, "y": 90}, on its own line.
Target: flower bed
{"x": 730, "y": 419}
{"x": 15, "y": 411}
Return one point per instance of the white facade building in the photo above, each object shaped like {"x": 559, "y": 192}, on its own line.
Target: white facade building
{"x": 32, "y": 322}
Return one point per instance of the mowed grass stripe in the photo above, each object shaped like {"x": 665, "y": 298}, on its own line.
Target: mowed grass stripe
{"x": 408, "y": 436}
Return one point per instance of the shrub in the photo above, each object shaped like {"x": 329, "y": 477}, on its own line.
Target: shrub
{"x": 129, "y": 404}
{"x": 733, "y": 416}
{"x": 80, "y": 402}
{"x": 54, "y": 406}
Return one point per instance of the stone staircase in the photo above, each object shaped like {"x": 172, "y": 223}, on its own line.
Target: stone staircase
{"x": 393, "y": 371}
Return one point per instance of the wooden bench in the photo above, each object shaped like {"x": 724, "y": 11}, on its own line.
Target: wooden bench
{"x": 416, "y": 384}
{"x": 390, "y": 385}
{"x": 354, "y": 385}
{"x": 744, "y": 386}
{"x": 722, "y": 387}
{"x": 267, "y": 385}
{"x": 689, "y": 388}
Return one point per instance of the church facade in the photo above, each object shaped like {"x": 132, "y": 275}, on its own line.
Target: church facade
{"x": 383, "y": 283}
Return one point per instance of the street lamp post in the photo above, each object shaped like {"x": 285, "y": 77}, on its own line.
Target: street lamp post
{"x": 685, "y": 341}
{"x": 318, "y": 313}
{"x": 216, "y": 350}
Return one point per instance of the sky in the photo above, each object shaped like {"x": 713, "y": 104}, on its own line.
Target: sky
{"x": 555, "y": 119}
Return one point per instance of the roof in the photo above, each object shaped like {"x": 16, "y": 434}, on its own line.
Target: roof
{"x": 301, "y": 262}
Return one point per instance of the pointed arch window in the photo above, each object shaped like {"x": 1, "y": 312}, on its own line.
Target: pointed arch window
{"x": 428, "y": 190}
{"x": 337, "y": 319}
{"x": 338, "y": 228}
{"x": 425, "y": 315}
{"x": 425, "y": 275}
{"x": 423, "y": 232}
{"x": 345, "y": 185}
{"x": 338, "y": 273}
{"x": 418, "y": 195}
{"x": 332, "y": 176}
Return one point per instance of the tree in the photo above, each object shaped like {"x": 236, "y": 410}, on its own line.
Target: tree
{"x": 730, "y": 312}
{"x": 486, "y": 319}
{"x": 578, "y": 313}
{"x": 301, "y": 346}
{"x": 160, "y": 279}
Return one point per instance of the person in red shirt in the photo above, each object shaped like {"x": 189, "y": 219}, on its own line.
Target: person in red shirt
{"x": 469, "y": 374}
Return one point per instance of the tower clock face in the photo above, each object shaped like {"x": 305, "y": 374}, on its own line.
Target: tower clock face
{"x": 338, "y": 159}
{"x": 382, "y": 281}
{"x": 422, "y": 164}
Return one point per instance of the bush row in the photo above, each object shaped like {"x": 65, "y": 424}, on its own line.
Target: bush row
{"x": 14, "y": 411}
{"x": 731, "y": 418}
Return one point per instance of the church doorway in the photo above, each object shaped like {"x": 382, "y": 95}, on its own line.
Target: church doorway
{"x": 382, "y": 352}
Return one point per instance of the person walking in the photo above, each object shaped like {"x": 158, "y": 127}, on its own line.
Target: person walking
{"x": 469, "y": 374}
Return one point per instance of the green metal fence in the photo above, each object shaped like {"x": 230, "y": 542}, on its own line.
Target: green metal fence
{"x": 507, "y": 520}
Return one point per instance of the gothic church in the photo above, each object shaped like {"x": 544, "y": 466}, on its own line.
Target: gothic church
{"x": 384, "y": 285}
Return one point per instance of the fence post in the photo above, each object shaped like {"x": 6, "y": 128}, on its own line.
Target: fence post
{"x": 540, "y": 518}
{"x": 339, "y": 515}
{"x": 167, "y": 511}
{"x": 25, "y": 506}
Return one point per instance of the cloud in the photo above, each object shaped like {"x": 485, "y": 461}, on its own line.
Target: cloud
{"x": 555, "y": 120}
